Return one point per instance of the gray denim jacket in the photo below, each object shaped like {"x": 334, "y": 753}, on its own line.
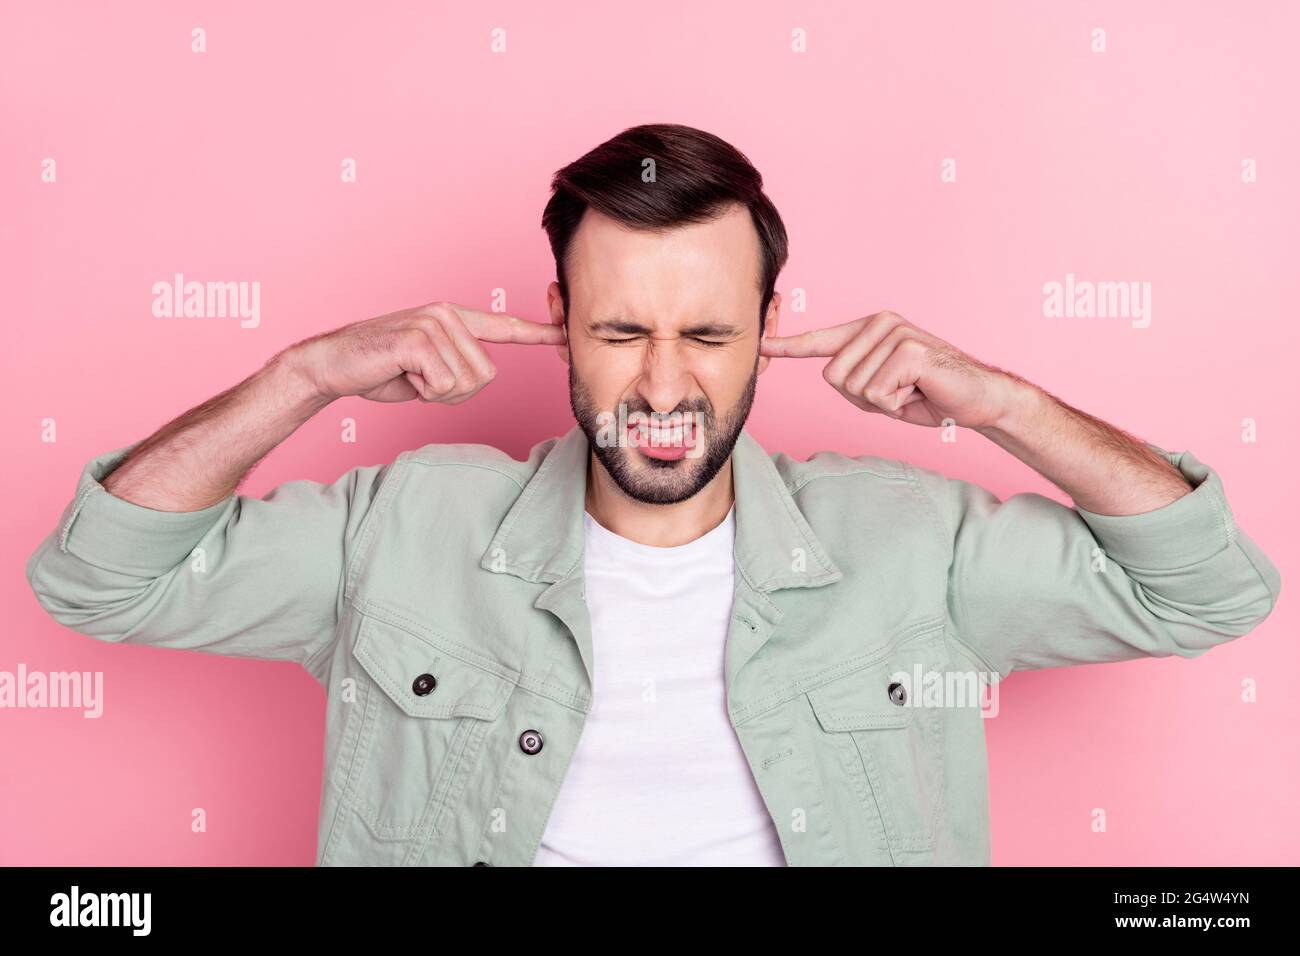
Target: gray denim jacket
{"x": 439, "y": 600}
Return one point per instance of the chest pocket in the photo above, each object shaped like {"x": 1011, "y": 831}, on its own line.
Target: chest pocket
{"x": 875, "y": 711}
{"x": 423, "y": 706}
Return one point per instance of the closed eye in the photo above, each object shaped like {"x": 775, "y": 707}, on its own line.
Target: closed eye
{"x": 710, "y": 343}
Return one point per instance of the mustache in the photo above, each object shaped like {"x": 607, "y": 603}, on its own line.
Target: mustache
{"x": 701, "y": 407}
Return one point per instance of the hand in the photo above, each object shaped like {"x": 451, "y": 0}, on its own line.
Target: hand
{"x": 433, "y": 353}
{"x": 882, "y": 363}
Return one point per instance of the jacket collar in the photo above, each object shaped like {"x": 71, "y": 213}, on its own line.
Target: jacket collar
{"x": 541, "y": 537}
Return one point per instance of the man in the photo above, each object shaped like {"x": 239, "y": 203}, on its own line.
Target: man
{"x": 651, "y": 642}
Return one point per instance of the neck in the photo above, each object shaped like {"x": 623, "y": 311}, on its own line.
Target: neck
{"x": 661, "y": 526}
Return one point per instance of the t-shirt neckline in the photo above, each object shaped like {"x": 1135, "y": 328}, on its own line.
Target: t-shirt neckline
{"x": 710, "y": 539}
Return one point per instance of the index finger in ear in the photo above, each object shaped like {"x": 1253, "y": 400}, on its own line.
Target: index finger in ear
{"x": 812, "y": 344}
{"x": 499, "y": 327}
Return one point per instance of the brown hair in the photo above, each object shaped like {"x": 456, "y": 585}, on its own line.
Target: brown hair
{"x": 696, "y": 176}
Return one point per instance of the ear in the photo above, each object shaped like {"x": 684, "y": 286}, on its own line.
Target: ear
{"x": 769, "y": 326}
{"x": 555, "y": 311}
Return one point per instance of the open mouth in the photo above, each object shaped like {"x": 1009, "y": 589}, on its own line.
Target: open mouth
{"x": 667, "y": 442}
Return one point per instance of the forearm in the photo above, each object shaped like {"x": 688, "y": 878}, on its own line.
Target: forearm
{"x": 201, "y": 457}
{"x": 1103, "y": 469}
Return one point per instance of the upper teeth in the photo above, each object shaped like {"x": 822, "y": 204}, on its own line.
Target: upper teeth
{"x": 674, "y": 433}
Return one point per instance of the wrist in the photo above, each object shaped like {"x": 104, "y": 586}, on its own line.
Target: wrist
{"x": 292, "y": 375}
{"x": 1022, "y": 404}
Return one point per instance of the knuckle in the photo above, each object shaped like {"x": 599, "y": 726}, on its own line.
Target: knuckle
{"x": 419, "y": 332}
{"x": 437, "y": 315}
{"x": 450, "y": 319}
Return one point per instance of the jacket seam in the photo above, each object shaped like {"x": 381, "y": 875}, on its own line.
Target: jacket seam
{"x": 846, "y": 473}
{"x": 947, "y": 539}
{"x": 366, "y": 533}
{"x": 1225, "y": 518}
{"x": 852, "y": 665}
{"x": 1272, "y": 595}
{"x": 364, "y": 537}
{"x": 78, "y": 504}
{"x": 464, "y": 464}
{"x": 437, "y": 639}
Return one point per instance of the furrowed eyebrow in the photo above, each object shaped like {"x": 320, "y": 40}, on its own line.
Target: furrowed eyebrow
{"x": 719, "y": 330}
{"x": 622, "y": 326}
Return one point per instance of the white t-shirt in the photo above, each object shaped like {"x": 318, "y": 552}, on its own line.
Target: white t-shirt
{"x": 659, "y": 777}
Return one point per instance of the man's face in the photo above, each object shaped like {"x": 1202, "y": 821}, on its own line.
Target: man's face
{"x": 665, "y": 324}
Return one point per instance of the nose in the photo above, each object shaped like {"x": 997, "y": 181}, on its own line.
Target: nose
{"x": 666, "y": 379}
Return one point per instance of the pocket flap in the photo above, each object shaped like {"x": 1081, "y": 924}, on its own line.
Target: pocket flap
{"x": 396, "y": 659}
{"x": 861, "y": 699}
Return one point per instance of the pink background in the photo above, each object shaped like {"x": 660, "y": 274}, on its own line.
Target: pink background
{"x": 226, "y": 166}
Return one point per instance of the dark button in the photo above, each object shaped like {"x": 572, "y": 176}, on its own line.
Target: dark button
{"x": 898, "y": 694}
{"x": 481, "y": 863}
{"x": 530, "y": 741}
{"x": 424, "y": 684}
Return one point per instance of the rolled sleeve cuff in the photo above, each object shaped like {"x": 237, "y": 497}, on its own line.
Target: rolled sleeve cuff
{"x": 1182, "y": 533}
{"x": 119, "y": 535}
